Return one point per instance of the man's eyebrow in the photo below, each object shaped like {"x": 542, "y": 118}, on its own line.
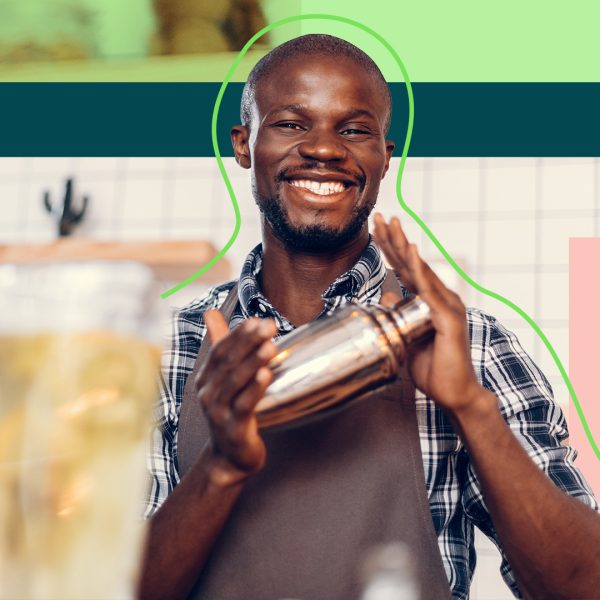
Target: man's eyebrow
{"x": 358, "y": 112}
{"x": 290, "y": 107}
{"x": 348, "y": 114}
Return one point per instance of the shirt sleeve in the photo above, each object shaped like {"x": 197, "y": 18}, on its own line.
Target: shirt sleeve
{"x": 161, "y": 454}
{"x": 187, "y": 333}
{"x": 526, "y": 403}
{"x": 178, "y": 360}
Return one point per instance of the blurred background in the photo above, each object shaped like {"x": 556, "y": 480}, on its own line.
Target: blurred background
{"x": 139, "y": 40}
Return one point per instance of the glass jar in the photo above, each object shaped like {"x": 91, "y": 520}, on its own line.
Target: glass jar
{"x": 79, "y": 357}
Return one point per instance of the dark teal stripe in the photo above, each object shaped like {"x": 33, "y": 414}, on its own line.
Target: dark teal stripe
{"x": 173, "y": 119}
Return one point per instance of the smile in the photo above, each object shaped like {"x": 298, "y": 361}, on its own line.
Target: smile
{"x": 322, "y": 188}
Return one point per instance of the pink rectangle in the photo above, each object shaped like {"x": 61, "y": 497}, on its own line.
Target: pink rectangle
{"x": 584, "y": 353}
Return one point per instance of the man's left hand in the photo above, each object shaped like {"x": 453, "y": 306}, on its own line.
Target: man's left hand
{"x": 442, "y": 368}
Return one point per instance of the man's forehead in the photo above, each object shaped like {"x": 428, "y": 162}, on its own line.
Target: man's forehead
{"x": 290, "y": 83}
{"x": 315, "y": 67}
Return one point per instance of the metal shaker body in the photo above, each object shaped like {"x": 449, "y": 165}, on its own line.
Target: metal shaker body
{"x": 335, "y": 359}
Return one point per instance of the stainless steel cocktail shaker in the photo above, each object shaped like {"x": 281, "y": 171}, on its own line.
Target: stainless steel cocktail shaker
{"x": 335, "y": 359}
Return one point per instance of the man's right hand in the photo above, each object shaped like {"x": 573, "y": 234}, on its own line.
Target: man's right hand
{"x": 233, "y": 380}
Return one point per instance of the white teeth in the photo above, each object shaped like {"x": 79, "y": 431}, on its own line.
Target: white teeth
{"x": 323, "y": 188}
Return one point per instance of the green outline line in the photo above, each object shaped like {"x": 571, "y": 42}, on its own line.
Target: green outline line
{"x": 403, "y": 205}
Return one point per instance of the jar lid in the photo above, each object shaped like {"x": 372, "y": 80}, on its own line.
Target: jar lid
{"x": 74, "y": 295}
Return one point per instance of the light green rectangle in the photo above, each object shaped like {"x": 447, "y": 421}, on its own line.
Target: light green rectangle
{"x": 438, "y": 40}
{"x": 474, "y": 40}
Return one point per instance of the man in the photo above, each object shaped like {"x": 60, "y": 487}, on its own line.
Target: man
{"x": 256, "y": 514}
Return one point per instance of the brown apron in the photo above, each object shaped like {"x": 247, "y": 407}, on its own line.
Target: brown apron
{"x": 331, "y": 490}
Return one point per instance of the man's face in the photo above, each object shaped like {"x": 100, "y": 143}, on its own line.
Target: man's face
{"x": 317, "y": 150}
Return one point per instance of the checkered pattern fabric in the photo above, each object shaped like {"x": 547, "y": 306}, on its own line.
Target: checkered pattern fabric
{"x": 455, "y": 498}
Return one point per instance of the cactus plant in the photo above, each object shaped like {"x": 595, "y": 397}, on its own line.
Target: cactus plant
{"x": 68, "y": 217}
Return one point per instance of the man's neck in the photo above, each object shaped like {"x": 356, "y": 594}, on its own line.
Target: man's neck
{"x": 294, "y": 281}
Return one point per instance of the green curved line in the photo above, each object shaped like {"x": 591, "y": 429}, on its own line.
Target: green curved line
{"x": 403, "y": 205}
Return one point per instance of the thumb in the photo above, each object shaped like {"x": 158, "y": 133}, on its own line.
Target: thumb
{"x": 389, "y": 299}
{"x": 216, "y": 325}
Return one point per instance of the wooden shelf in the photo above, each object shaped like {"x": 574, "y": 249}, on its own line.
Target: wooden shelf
{"x": 196, "y": 67}
{"x": 170, "y": 260}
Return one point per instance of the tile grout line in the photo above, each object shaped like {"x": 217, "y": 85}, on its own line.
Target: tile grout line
{"x": 167, "y": 217}
{"x": 539, "y": 171}
{"x": 24, "y": 188}
{"x": 427, "y": 191}
{"x": 121, "y": 174}
{"x": 481, "y": 229}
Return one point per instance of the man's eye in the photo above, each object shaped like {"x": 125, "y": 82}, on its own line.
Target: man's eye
{"x": 287, "y": 125}
{"x": 354, "y": 131}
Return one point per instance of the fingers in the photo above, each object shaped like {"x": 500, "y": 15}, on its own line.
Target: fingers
{"x": 240, "y": 427}
{"x": 247, "y": 400}
{"x": 398, "y": 241}
{"x": 429, "y": 285}
{"x": 244, "y": 377}
{"x": 393, "y": 242}
{"x": 233, "y": 357}
{"x": 232, "y": 381}
{"x": 414, "y": 272}
{"x": 234, "y": 377}
{"x": 391, "y": 237}
{"x": 425, "y": 279}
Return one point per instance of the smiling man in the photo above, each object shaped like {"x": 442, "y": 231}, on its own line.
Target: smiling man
{"x": 340, "y": 195}
{"x": 238, "y": 512}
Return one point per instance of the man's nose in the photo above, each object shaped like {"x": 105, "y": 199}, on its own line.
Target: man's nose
{"x": 323, "y": 146}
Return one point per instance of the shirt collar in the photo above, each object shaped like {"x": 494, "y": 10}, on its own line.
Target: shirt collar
{"x": 360, "y": 283}
{"x": 360, "y": 280}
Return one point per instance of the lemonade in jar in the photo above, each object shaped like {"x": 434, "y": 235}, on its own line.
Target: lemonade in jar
{"x": 79, "y": 359}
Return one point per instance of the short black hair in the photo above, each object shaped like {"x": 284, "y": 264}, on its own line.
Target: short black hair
{"x": 312, "y": 44}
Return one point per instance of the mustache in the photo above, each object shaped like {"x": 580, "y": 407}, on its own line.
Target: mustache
{"x": 287, "y": 172}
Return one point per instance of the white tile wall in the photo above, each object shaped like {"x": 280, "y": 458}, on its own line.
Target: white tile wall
{"x": 509, "y": 242}
{"x": 554, "y": 246}
{"x": 568, "y": 184}
{"x": 12, "y": 205}
{"x": 510, "y": 185}
{"x": 455, "y": 189}
{"x": 505, "y": 220}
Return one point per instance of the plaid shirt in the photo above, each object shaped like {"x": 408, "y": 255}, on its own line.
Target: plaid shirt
{"x": 502, "y": 366}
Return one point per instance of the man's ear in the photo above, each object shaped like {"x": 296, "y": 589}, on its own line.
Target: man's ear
{"x": 240, "y": 134}
{"x": 389, "y": 148}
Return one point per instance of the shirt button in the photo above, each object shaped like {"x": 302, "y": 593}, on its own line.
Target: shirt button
{"x": 262, "y": 308}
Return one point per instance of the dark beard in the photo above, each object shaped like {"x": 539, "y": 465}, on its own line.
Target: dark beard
{"x": 313, "y": 239}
